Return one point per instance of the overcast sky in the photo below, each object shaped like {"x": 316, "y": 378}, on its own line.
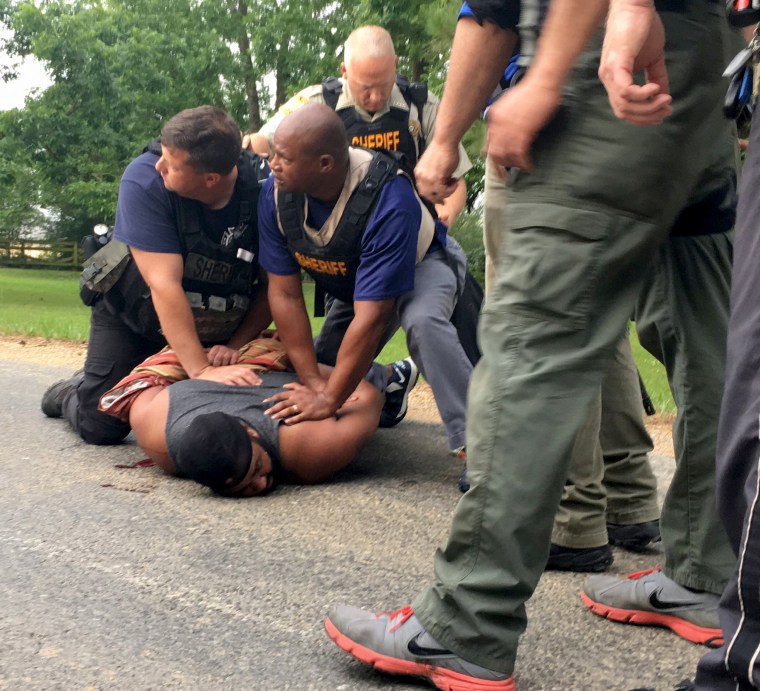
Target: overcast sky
{"x": 31, "y": 76}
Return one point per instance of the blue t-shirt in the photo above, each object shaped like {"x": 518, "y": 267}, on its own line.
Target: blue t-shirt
{"x": 388, "y": 246}
{"x": 144, "y": 215}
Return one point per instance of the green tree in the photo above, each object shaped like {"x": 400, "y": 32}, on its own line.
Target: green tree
{"x": 117, "y": 76}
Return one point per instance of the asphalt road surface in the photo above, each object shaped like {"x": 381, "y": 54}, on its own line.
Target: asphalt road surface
{"x": 121, "y": 578}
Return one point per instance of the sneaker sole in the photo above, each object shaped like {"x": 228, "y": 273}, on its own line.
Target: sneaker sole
{"x": 702, "y": 635}
{"x": 442, "y": 678}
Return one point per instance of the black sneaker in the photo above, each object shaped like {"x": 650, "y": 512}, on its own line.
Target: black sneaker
{"x": 402, "y": 381}
{"x": 635, "y": 536}
{"x": 52, "y": 399}
{"x": 581, "y": 560}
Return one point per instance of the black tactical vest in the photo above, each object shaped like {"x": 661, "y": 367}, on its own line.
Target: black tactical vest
{"x": 391, "y": 131}
{"x": 218, "y": 279}
{"x": 333, "y": 267}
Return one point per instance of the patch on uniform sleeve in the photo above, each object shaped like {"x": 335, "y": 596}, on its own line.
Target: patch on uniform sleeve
{"x": 293, "y": 104}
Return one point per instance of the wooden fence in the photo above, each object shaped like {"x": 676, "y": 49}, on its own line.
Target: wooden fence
{"x": 41, "y": 255}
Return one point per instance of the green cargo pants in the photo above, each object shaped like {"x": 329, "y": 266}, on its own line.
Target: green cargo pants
{"x": 682, "y": 319}
{"x": 583, "y": 230}
{"x": 610, "y": 479}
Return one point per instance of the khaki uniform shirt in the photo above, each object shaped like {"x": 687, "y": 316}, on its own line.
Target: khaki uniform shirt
{"x": 313, "y": 94}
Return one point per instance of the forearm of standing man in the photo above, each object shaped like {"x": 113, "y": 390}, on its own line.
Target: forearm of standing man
{"x": 479, "y": 55}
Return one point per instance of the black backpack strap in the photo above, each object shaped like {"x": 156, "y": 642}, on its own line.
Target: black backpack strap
{"x": 252, "y": 171}
{"x": 332, "y": 88}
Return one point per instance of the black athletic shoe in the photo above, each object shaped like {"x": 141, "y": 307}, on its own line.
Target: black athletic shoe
{"x": 52, "y": 399}
{"x": 635, "y": 536}
{"x": 403, "y": 378}
{"x": 581, "y": 560}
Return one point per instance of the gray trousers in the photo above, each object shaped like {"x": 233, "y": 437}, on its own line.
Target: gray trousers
{"x": 424, "y": 315}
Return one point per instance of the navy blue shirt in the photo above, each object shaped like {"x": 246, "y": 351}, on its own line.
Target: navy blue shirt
{"x": 144, "y": 215}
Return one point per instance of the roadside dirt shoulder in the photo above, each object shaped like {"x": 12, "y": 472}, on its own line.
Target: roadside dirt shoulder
{"x": 42, "y": 351}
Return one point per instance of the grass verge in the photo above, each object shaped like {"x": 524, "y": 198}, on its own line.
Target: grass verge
{"x": 42, "y": 303}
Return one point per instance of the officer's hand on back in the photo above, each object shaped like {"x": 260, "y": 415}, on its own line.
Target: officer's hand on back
{"x": 221, "y": 355}
{"x": 297, "y": 403}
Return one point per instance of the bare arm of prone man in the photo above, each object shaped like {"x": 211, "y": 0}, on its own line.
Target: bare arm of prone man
{"x": 317, "y": 396}
{"x": 635, "y": 41}
{"x": 310, "y": 452}
{"x": 163, "y": 274}
{"x": 480, "y": 52}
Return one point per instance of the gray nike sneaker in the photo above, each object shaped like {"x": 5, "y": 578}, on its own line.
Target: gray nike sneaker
{"x": 652, "y": 599}
{"x": 397, "y": 643}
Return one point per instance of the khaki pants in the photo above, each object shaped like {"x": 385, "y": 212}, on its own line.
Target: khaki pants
{"x": 610, "y": 479}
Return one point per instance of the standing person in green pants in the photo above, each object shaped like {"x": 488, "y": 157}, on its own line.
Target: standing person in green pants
{"x": 610, "y": 495}
{"x": 584, "y": 228}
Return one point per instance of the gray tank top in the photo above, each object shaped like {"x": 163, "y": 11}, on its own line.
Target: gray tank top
{"x": 193, "y": 397}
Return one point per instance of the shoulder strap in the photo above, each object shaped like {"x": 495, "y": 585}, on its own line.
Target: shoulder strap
{"x": 290, "y": 214}
{"x": 332, "y": 88}
{"x": 414, "y": 93}
{"x": 252, "y": 171}
{"x": 361, "y": 202}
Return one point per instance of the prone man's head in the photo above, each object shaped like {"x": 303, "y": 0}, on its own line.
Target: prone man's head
{"x": 223, "y": 453}
{"x": 369, "y": 66}
{"x": 199, "y": 147}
